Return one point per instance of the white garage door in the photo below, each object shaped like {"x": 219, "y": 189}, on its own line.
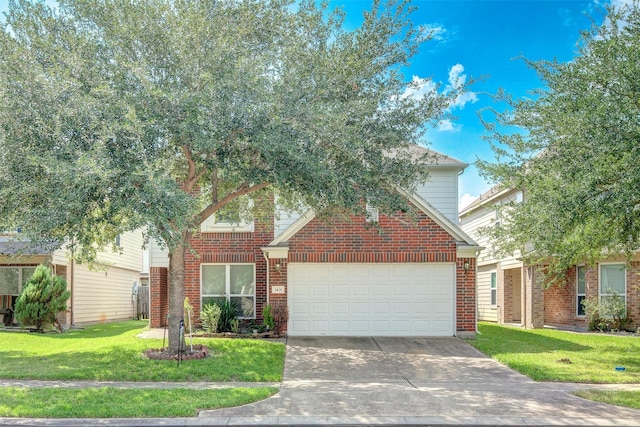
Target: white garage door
{"x": 371, "y": 299}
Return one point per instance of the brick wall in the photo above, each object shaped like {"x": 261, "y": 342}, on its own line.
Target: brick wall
{"x": 560, "y": 301}
{"x": 466, "y": 297}
{"x": 396, "y": 239}
{"x": 224, "y": 248}
{"x": 158, "y": 297}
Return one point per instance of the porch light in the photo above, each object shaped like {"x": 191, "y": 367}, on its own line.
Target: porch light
{"x": 466, "y": 266}
{"x": 278, "y": 267}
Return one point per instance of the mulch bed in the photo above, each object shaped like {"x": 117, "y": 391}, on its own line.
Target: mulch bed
{"x": 199, "y": 352}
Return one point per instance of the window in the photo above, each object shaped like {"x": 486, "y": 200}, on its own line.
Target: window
{"x": 234, "y": 217}
{"x": 613, "y": 278}
{"x": 372, "y": 214}
{"x": 12, "y": 279}
{"x": 233, "y": 282}
{"x": 581, "y": 289}
{"x": 117, "y": 242}
{"x": 494, "y": 288}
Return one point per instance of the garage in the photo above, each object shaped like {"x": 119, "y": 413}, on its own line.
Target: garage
{"x": 350, "y": 299}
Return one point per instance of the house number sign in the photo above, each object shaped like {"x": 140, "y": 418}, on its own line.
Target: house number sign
{"x": 277, "y": 289}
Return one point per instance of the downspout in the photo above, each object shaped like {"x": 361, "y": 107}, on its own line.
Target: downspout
{"x": 268, "y": 285}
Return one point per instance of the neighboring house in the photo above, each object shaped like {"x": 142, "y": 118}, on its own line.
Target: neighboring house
{"x": 99, "y": 293}
{"x": 509, "y": 291}
{"x": 378, "y": 274}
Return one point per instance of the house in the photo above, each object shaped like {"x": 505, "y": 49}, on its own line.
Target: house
{"x": 99, "y": 293}
{"x": 379, "y": 274}
{"x": 510, "y": 291}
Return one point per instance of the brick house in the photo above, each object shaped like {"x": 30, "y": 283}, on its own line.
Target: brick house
{"x": 375, "y": 275}
{"x": 509, "y": 291}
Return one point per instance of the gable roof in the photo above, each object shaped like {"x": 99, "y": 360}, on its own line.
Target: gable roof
{"x": 454, "y": 230}
{"x": 440, "y": 159}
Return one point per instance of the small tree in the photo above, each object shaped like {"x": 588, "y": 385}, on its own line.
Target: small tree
{"x": 44, "y": 296}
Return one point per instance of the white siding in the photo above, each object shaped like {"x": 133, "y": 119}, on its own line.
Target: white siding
{"x": 102, "y": 295}
{"x": 483, "y": 216}
{"x": 283, "y": 220}
{"x": 158, "y": 257}
{"x": 486, "y": 312}
{"x": 130, "y": 258}
{"x": 441, "y": 191}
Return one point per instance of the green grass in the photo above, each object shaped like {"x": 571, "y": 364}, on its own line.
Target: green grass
{"x": 122, "y": 403}
{"x": 630, "y": 399}
{"x": 539, "y": 354}
{"x": 112, "y": 352}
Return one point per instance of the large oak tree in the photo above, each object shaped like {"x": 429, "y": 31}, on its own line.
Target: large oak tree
{"x": 158, "y": 113}
{"x": 576, "y": 152}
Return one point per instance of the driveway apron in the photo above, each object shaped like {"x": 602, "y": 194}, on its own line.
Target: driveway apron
{"x": 421, "y": 377}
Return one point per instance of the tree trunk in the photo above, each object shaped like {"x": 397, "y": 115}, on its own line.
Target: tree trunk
{"x": 176, "y": 297}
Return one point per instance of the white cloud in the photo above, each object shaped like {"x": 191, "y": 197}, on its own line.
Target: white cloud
{"x": 457, "y": 79}
{"x": 465, "y": 201}
{"x": 447, "y": 126}
{"x": 419, "y": 88}
{"x": 433, "y": 31}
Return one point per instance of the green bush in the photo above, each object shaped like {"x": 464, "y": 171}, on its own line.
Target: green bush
{"x": 43, "y": 297}
{"x": 267, "y": 318}
{"x": 606, "y": 313}
{"x": 210, "y": 317}
{"x": 228, "y": 312}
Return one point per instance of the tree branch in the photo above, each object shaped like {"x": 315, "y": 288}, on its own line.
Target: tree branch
{"x": 215, "y": 206}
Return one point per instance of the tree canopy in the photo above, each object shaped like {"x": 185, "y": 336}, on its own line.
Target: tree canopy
{"x": 158, "y": 113}
{"x": 575, "y": 153}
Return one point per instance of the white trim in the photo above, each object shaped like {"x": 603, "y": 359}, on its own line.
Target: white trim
{"x": 297, "y": 225}
{"x": 493, "y": 273}
{"x": 600, "y": 293}
{"x": 273, "y": 252}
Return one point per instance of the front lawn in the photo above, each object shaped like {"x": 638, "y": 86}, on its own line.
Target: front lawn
{"x": 551, "y": 355}
{"x": 112, "y": 352}
{"x": 123, "y": 403}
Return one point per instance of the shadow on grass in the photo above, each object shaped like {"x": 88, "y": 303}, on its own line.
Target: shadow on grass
{"x": 495, "y": 339}
{"x": 101, "y": 330}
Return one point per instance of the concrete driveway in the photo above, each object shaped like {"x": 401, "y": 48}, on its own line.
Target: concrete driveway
{"x": 437, "y": 380}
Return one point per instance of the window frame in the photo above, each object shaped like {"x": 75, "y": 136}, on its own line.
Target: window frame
{"x": 579, "y": 306}
{"x": 601, "y": 292}
{"x": 228, "y": 295}
{"x": 210, "y": 225}
{"x": 493, "y": 288}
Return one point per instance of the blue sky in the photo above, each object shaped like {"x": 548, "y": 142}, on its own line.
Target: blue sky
{"x": 477, "y": 38}
{"x": 485, "y": 38}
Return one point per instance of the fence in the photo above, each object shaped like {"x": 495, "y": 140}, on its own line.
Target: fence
{"x": 142, "y": 311}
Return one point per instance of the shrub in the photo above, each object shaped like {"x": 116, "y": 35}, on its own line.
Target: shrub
{"x": 228, "y": 312}
{"x": 267, "y": 318}
{"x": 280, "y": 314}
{"x": 210, "y": 317}
{"x": 606, "y": 313}
{"x": 43, "y": 297}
